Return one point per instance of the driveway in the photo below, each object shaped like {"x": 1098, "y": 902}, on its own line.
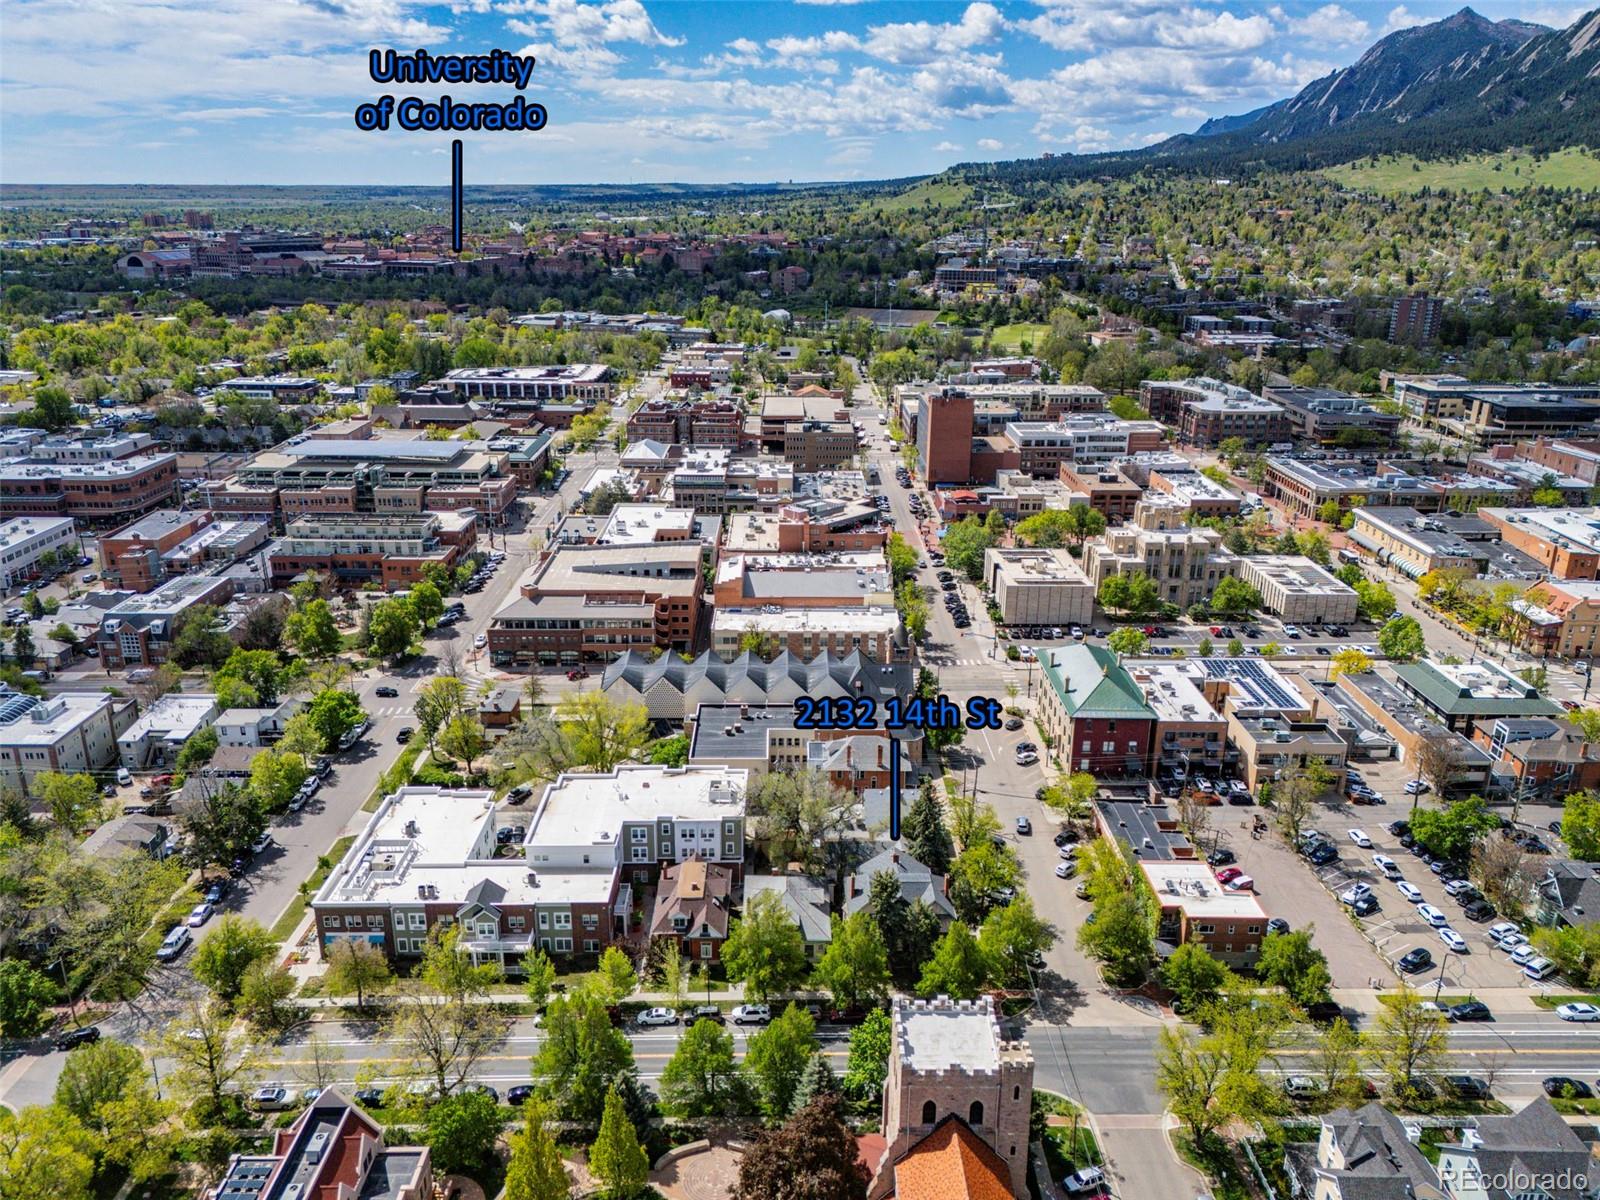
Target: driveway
{"x": 1142, "y": 1162}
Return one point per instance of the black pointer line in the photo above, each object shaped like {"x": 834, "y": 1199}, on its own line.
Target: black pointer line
{"x": 455, "y": 195}
{"x": 894, "y": 788}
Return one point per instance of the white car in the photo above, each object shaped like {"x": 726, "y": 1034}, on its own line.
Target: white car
{"x": 1291, "y": 630}
{"x": 1066, "y": 870}
{"x": 1085, "y": 1180}
{"x": 1354, "y": 894}
{"x": 1524, "y": 954}
{"x": 1360, "y": 838}
{"x": 753, "y": 1014}
{"x": 1579, "y": 1012}
{"x": 271, "y": 1099}
{"x": 1453, "y": 939}
{"x": 1432, "y": 916}
{"x": 1027, "y": 758}
{"x": 1500, "y": 929}
{"x": 658, "y": 1016}
{"x": 1409, "y": 890}
{"x": 1416, "y": 787}
{"x": 1511, "y": 941}
{"x": 261, "y": 843}
{"x": 1387, "y": 865}
{"x": 198, "y": 915}
{"x": 479, "y": 642}
{"x": 1241, "y": 883}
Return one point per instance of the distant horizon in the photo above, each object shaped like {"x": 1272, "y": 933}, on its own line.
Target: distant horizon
{"x": 808, "y": 93}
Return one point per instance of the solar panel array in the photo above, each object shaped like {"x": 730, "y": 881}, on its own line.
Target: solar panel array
{"x": 1256, "y": 677}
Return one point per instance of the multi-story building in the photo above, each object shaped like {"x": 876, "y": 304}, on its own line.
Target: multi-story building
{"x": 1466, "y": 697}
{"x": 433, "y": 855}
{"x": 711, "y": 481}
{"x": 1194, "y": 907}
{"x": 956, "y": 1104}
{"x": 1503, "y": 463}
{"x": 673, "y": 690}
{"x": 836, "y": 579}
{"x": 160, "y": 733}
{"x": 1274, "y": 748}
{"x": 1415, "y": 544}
{"x": 1566, "y": 541}
{"x": 332, "y": 1149}
{"x": 1038, "y": 587}
{"x": 1186, "y": 564}
{"x": 97, "y": 494}
{"x": 1542, "y": 758}
{"x": 141, "y": 555}
{"x": 814, "y": 525}
{"x": 1200, "y": 495}
{"x": 72, "y": 733}
{"x": 1412, "y": 725}
{"x": 139, "y": 630}
{"x": 1206, "y": 412}
{"x": 1304, "y": 487}
{"x": 634, "y": 525}
{"x": 1094, "y": 712}
{"x": 1298, "y": 590}
{"x": 1434, "y": 399}
{"x": 944, "y": 436}
{"x": 585, "y": 383}
{"x": 386, "y": 477}
{"x": 1104, "y": 489}
{"x": 819, "y": 445}
{"x": 809, "y": 632}
{"x": 1564, "y": 456}
{"x": 1328, "y": 416}
{"x": 692, "y": 907}
{"x": 24, "y": 542}
{"x": 1559, "y": 616}
{"x": 700, "y": 423}
{"x": 778, "y": 412}
{"x": 1190, "y": 735}
{"x": 588, "y": 603}
{"x": 281, "y": 389}
{"x": 391, "y": 551}
{"x": 1415, "y": 319}
{"x": 763, "y": 739}
{"x": 1090, "y": 440}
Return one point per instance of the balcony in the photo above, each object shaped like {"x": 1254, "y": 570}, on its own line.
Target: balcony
{"x": 516, "y": 943}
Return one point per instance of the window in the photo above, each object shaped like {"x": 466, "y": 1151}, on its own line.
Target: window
{"x": 666, "y": 829}
{"x": 641, "y": 854}
{"x": 1252, "y": 929}
{"x": 975, "y": 1113}
{"x": 563, "y": 920}
{"x": 487, "y": 929}
{"x": 590, "y": 945}
{"x": 705, "y": 949}
{"x": 590, "y": 921}
{"x": 1016, "y": 1094}
{"x": 330, "y": 922}
{"x": 929, "y": 1112}
{"x": 564, "y": 944}
{"x": 727, "y": 849}
{"x": 418, "y": 921}
{"x": 544, "y": 920}
{"x": 1205, "y": 928}
{"x": 374, "y": 922}
{"x": 638, "y": 833}
{"x": 516, "y": 923}
{"x": 352, "y": 922}
{"x": 1108, "y": 747}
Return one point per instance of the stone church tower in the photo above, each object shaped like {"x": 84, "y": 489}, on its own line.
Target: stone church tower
{"x": 947, "y": 1058}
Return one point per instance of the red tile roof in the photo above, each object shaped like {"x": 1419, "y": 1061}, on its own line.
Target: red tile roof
{"x": 952, "y": 1163}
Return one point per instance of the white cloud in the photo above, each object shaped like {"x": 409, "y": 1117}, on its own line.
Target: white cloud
{"x": 1075, "y": 27}
{"x": 991, "y": 144}
{"x": 918, "y": 42}
{"x": 947, "y": 148}
{"x": 575, "y": 58}
{"x": 1400, "y": 17}
{"x": 572, "y": 21}
{"x": 1331, "y": 24}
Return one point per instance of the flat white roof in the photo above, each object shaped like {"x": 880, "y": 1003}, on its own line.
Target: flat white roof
{"x": 591, "y": 809}
{"x": 47, "y": 722}
{"x": 806, "y": 620}
{"x": 1192, "y": 887}
{"x": 1170, "y": 690}
{"x": 943, "y": 1035}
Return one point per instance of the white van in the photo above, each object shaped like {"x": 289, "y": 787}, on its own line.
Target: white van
{"x": 174, "y": 943}
{"x": 124, "y": 777}
{"x": 1539, "y": 968}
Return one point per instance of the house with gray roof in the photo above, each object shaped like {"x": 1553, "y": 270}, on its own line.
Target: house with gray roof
{"x": 1569, "y": 893}
{"x": 672, "y": 690}
{"x": 917, "y": 882}
{"x": 1362, "y": 1154}
{"x": 805, "y": 899}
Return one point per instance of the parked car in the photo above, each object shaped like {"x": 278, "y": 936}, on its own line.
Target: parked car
{"x": 1277, "y": 925}
{"x": 270, "y": 1099}
{"x": 1024, "y": 826}
{"x": 1567, "y": 1012}
{"x": 705, "y": 1012}
{"x": 1360, "y": 838}
{"x": 1416, "y": 787}
{"x": 1467, "y": 1087}
{"x": 1564, "y": 1087}
{"x": 657, "y": 1016}
{"x": 751, "y": 1014}
{"x": 1221, "y": 857}
{"x": 1470, "y": 1010}
{"x": 1409, "y": 890}
{"x": 1226, "y": 874}
{"x": 1433, "y": 916}
{"x": 1365, "y": 906}
{"x": 1414, "y": 960}
{"x": 1477, "y": 910}
{"x": 1086, "y": 1180}
{"x": 1356, "y": 891}
{"x": 77, "y": 1037}
{"x": 1454, "y": 940}
{"x": 1302, "y": 1086}
{"x": 519, "y": 1095}
{"x": 175, "y": 943}
{"x": 198, "y": 915}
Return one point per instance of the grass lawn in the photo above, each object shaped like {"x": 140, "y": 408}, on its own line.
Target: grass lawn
{"x": 1066, "y": 1148}
{"x": 1010, "y": 337}
{"x": 297, "y": 907}
{"x": 1217, "y": 1164}
{"x": 1577, "y": 1106}
{"x": 396, "y": 776}
{"x": 939, "y": 193}
{"x": 1572, "y": 168}
{"x": 1557, "y": 1001}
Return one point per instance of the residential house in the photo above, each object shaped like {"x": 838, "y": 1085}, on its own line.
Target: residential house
{"x": 804, "y": 899}
{"x": 917, "y": 882}
{"x": 691, "y": 910}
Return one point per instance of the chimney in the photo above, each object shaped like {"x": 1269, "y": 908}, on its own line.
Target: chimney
{"x": 880, "y": 754}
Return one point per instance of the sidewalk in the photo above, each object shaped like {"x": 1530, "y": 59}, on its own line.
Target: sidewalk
{"x": 1365, "y": 1002}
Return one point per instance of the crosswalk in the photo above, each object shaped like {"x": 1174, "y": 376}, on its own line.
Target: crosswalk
{"x": 390, "y": 710}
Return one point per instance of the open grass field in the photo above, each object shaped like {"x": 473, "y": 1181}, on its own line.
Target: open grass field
{"x": 940, "y": 193}
{"x": 1572, "y": 168}
{"x": 1009, "y": 338}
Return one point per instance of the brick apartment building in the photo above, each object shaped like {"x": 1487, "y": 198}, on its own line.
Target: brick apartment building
{"x": 355, "y": 550}
{"x": 944, "y": 437}
{"x": 97, "y": 495}
{"x": 701, "y": 423}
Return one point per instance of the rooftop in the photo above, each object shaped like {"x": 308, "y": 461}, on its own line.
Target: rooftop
{"x": 584, "y": 809}
{"x": 1474, "y": 689}
{"x": 1192, "y": 887}
{"x": 571, "y": 373}
{"x": 806, "y": 620}
{"x": 1170, "y": 689}
{"x": 1297, "y": 575}
{"x": 1576, "y": 529}
{"x": 1038, "y": 566}
{"x": 1089, "y": 681}
{"x": 1140, "y": 825}
{"x": 945, "y": 1035}
{"x": 1254, "y": 687}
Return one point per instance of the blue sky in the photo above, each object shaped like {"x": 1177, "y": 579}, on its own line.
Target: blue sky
{"x": 262, "y": 91}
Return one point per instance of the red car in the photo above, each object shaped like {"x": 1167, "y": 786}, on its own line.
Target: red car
{"x": 1228, "y": 874}
{"x": 1150, "y": 631}
{"x": 578, "y": 673}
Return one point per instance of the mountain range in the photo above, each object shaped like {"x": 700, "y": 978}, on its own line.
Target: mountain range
{"x": 1463, "y": 84}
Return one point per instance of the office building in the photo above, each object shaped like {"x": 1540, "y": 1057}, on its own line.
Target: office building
{"x": 1194, "y": 907}
{"x": 1206, "y": 412}
{"x": 1330, "y": 417}
{"x": 944, "y": 436}
{"x": 1273, "y": 749}
{"x": 97, "y": 494}
{"x": 819, "y": 445}
{"x": 353, "y": 550}
{"x": 1094, "y": 712}
{"x": 1415, "y": 319}
{"x": 1298, "y": 590}
{"x": 583, "y": 383}
{"x": 809, "y": 632}
{"x": 25, "y": 541}
{"x": 138, "y": 630}
{"x": 833, "y": 579}
{"x": 1186, "y": 564}
{"x": 699, "y": 423}
{"x": 1038, "y": 587}
{"x": 1465, "y": 697}
{"x": 1565, "y": 541}
{"x": 1415, "y": 544}
{"x": 1190, "y": 735}
{"x": 1304, "y": 487}
{"x": 160, "y": 733}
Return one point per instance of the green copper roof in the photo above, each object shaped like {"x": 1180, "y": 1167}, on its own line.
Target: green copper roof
{"x": 1090, "y": 682}
{"x": 1438, "y": 690}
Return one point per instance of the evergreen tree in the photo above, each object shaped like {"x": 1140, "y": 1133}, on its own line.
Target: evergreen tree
{"x": 617, "y": 1159}
{"x": 812, "y": 1157}
{"x": 924, "y": 834}
{"x": 816, "y": 1080}
{"x": 535, "y": 1171}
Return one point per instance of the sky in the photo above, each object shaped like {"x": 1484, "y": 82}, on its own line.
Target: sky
{"x": 700, "y": 91}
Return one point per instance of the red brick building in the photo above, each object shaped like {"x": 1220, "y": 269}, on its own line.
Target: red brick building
{"x": 691, "y": 909}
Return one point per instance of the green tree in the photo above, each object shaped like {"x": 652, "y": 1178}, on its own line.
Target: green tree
{"x": 1401, "y": 639}
{"x": 312, "y": 631}
{"x": 536, "y": 1171}
{"x": 1235, "y": 648}
{"x": 1121, "y": 938}
{"x": 439, "y": 701}
{"x": 981, "y": 874}
{"x": 699, "y": 1079}
{"x": 538, "y": 977}
{"x": 1128, "y": 641}
{"x": 97, "y": 1074}
{"x": 461, "y": 1132}
{"x": 964, "y": 545}
{"x": 427, "y": 605}
{"x": 924, "y": 833}
{"x": 1450, "y": 832}
{"x": 816, "y": 1080}
{"x": 228, "y": 951}
{"x": 198, "y": 750}
{"x": 264, "y": 996}
{"x": 1580, "y": 825}
{"x": 582, "y": 1055}
{"x": 22, "y": 647}
{"x": 204, "y": 1063}
{"x": 902, "y": 558}
{"x": 616, "y": 1159}
{"x": 855, "y": 968}
{"x": 447, "y": 968}
{"x": 44, "y": 1151}
{"x": 198, "y": 639}
{"x": 275, "y": 778}
{"x": 764, "y": 949}
{"x": 334, "y": 713}
{"x": 53, "y": 409}
{"x": 1235, "y": 597}
{"x": 25, "y": 997}
{"x": 219, "y": 824}
{"x": 71, "y": 800}
{"x": 1336, "y": 1063}
{"x": 1349, "y": 661}
{"x": 391, "y": 629}
{"x": 1011, "y": 938}
{"x": 464, "y": 739}
{"x": 958, "y": 967}
{"x": 616, "y": 973}
{"x": 1194, "y": 978}
{"x": 776, "y": 1057}
{"x": 1374, "y": 600}
{"x": 262, "y": 671}
{"x": 1408, "y": 1042}
{"x": 356, "y": 965}
{"x": 601, "y": 730}
{"x": 868, "y": 1063}
{"x": 1290, "y": 961}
